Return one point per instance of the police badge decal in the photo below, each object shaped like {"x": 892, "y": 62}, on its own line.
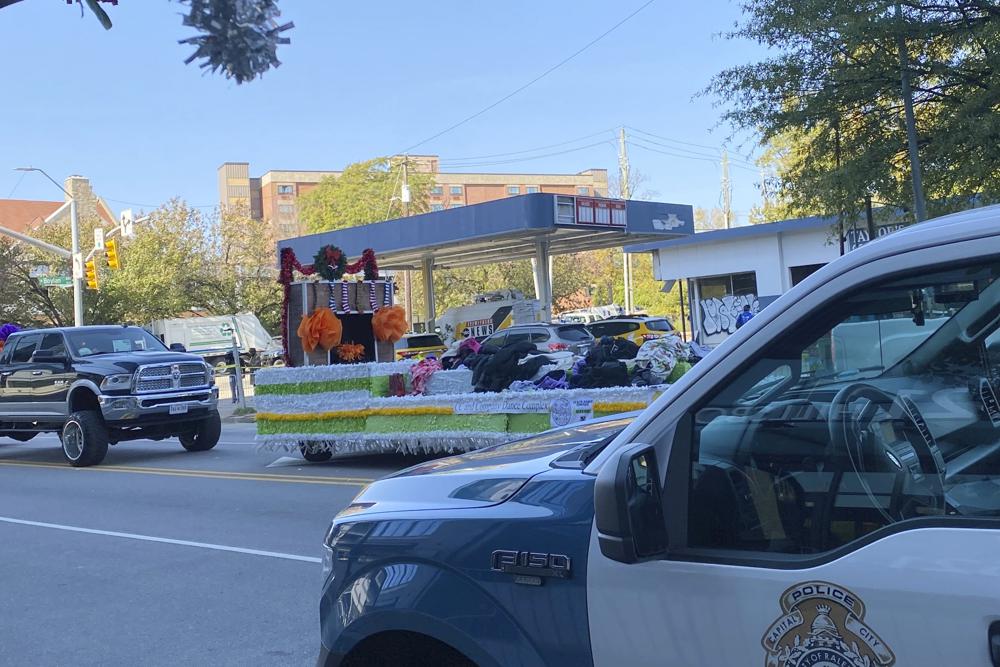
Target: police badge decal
{"x": 822, "y": 625}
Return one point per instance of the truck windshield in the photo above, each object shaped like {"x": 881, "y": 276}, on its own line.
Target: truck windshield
{"x": 87, "y": 343}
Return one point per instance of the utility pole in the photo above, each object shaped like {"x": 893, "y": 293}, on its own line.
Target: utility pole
{"x": 919, "y": 208}
{"x": 727, "y": 191}
{"x": 404, "y": 197}
{"x": 76, "y": 257}
{"x": 626, "y": 194}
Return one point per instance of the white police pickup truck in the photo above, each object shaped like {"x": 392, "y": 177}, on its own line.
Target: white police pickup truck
{"x": 806, "y": 496}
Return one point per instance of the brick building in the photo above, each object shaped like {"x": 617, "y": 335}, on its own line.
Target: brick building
{"x": 273, "y": 195}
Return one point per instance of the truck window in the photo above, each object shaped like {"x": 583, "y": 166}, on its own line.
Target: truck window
{"x": 882, "y": 408}
{"x": 53, "y": 342}
{"x": 24, "y": 348}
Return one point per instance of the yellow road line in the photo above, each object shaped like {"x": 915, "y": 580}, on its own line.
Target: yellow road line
{"x": 209, "y": 474}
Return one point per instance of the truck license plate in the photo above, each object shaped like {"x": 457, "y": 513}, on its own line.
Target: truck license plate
{"x": 178, "y": 408}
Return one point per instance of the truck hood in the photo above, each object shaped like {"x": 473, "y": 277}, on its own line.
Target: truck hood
{"x": 484, "y": 477}
{"x": 127, "y": 362}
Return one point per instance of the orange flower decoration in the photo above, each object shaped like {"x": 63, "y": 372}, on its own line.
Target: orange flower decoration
{"x": 351, "y": 352}
{"x": 389, "y": 324}
{"x": 320, "y": 329}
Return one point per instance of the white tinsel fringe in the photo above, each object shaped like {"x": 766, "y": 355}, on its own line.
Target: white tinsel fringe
{"x": 286, "y": 375}
{"x": 429, "y": 442}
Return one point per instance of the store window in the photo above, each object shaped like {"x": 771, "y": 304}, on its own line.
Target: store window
{"x": 721, "y": 299}
{"x": 800, "y": 273}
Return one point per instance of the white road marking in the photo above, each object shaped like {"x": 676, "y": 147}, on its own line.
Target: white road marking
{"x": 162, "y": 540}
{"x": 286, "y": 461}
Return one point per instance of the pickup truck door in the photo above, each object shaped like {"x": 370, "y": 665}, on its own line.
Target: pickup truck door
{"x": 48, "y": 381}
{"x": 15, "y": 375}
{"x": 816, "y": 514}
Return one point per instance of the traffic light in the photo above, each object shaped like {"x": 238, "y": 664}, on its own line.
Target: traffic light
{"x": 90, "y": 274}
{"x": 111, "y": 252}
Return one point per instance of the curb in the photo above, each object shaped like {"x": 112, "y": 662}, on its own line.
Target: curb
{"x": 240, "y": 419}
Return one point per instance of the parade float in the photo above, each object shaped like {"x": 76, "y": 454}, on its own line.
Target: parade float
{"x": 341, "y": 392}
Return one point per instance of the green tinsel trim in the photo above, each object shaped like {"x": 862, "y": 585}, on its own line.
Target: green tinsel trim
{"x": 528, "y": 423}
{"x": 348, "y": 425}
{"x": 418, "y": 423}
{"x": 350, "y": 384}
{"x": 380, "y": 385}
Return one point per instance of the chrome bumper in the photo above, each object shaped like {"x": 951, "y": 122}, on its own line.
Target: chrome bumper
{"x": 122, "y": 408}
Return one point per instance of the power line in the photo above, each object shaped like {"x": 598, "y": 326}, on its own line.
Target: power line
{"x": 528, "y": 158}
{"x": 529, "y": 150}
{"x": 532, "y": 82}
{"x": 714, "y": 161}
{"x": 686, "y": 143}
{"x": 17, "y": 185}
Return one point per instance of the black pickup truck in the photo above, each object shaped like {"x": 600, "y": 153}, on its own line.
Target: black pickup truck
{"x": 100, "y": 385}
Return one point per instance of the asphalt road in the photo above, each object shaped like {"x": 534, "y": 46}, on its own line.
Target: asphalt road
{"x": 163, "y": 557}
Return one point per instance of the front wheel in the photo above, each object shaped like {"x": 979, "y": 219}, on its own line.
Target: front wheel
{"x": 314, "y": 453}
{"x": 205, "y": 436}
{"x": 84, "y": 439}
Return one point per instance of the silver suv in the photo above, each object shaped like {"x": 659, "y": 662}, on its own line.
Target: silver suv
{"x": 547, "y": 337}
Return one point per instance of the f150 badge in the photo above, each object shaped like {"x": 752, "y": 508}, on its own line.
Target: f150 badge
{"x": 530, "y": 563}
{"x": 822, "y": 625}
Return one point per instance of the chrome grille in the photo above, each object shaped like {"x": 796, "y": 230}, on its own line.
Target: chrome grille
{"x": 167, "y": 377}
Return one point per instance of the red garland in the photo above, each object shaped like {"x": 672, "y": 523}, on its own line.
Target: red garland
{"x": 289, "y": 264}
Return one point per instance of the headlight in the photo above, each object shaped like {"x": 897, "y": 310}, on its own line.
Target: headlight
{"x": 117, "y": 382}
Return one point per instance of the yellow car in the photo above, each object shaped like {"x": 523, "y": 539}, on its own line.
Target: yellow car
{"x": 419, "y": 345}
{"x": 636, "y": 329}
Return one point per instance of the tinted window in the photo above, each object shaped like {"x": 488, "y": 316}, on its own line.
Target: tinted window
{"x": 659, "y": 325}
{"x": 518, "y": 337}
{"x": 496, "y": 340}
{"x": 615, "y": 328}
{"x": 24, "y": 348}
{"x": 574, "y": 333}
{"x": 539, "y": 336}
{"x": 88, "y": 342}
{"x": 53, "y": 342}
{"x": 881, "y": 408}
{"x": 421, "y": 341}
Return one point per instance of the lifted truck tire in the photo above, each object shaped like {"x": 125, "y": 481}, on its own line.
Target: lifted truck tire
{"x": 205, "y": 436}
{"x": 84, "y": 439}
{"x": 314, "y": 454}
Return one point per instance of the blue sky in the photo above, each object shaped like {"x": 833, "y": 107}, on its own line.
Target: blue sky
{"x": 362, "y": 79}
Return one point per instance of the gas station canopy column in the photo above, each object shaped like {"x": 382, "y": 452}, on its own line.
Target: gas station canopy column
{"x": 533, "y": 226}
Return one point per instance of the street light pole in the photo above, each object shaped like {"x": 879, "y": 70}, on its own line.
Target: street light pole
{"x": 77, "y": 258}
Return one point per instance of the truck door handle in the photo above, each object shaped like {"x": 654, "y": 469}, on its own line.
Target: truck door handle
{"x": 994, "y": 638}
{"x": 37, "y": 372}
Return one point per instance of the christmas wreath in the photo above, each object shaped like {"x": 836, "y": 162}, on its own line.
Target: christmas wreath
{"x": 330, "y": 262}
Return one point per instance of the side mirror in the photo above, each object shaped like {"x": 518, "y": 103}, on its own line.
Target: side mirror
{"x": 49, "y": 357}
{"x": 628, "y": 506}
{"x": 177, "y": 347}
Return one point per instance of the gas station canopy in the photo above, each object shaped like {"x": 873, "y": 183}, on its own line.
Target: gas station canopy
{"x": 533, "y": 226}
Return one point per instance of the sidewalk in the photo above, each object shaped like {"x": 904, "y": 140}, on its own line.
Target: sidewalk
{"x": 227, "y": 408}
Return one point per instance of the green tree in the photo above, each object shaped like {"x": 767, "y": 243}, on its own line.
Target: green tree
{"x": 829, "y": 107}
{"x": 239, "y": 39}
{"x": 364, "y": 192}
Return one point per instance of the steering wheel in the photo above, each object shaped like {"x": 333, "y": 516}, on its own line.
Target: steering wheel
{"x": 915, "y": 458}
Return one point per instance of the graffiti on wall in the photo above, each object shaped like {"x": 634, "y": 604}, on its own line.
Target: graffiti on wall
{"x": 718, "y": 316}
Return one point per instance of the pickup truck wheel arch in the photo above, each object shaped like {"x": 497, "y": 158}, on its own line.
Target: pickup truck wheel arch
{"x": 84, "y": 438}
{"x": 405, "y": 649}
{"x": 83, "y": 397}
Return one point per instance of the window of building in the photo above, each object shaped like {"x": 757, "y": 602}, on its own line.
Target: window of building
{"x": 513, "y": 189}
{"x": 437, "y": 207}
{"x": 813, "y": 445}
{"x": 583, "y": 191}
{"x": 531, "y": 189}
{"x": 456, "y": 190}
{"x": 286, "y": 189}
{"x": 437, "y": 191}
{"x": 286, "y": 209}
{"x": 800, "y": 273}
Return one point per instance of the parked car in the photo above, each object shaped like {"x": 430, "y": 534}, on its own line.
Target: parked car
{"x": 547, "y": 337}
{"x": 812, "y": 493}
{"x": 417, "y": 344}
{"x": 636, "y": 329}
{"x": 101, "y": 385}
